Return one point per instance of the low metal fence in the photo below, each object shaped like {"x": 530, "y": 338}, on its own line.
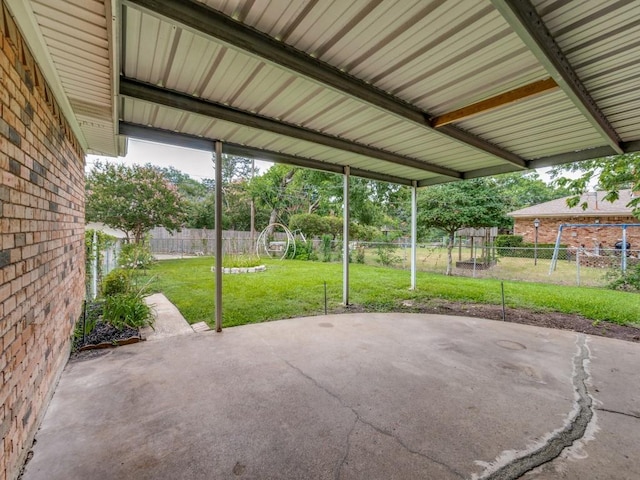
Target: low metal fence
{"x": 573, "y": 266}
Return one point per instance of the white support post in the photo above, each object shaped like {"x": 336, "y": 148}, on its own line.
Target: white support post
{"x": 345, "y": 238}
{"x": 218, "y": 234}
{"x": 94, "y": 266}
{"x": 414, "y": 233}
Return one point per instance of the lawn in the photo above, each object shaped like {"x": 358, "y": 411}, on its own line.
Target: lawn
{"x": 294, "y": 288}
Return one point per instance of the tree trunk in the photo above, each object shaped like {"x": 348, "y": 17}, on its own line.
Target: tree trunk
{"x": 449, "y": 253}
{"x": 276, "y": 207}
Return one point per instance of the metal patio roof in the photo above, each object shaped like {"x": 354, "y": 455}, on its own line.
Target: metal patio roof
{"x": 409, "y": 91}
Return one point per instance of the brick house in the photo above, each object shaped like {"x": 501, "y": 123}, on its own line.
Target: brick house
{"x": 41, "y": 243}
{"x": 556, "y": 212}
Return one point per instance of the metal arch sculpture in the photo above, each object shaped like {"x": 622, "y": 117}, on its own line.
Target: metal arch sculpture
{"x": 272, "y": 249}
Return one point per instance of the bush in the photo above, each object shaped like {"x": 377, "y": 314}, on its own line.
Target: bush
{"x": 303, "y": 251}
{"x": 360, "y": 254}
{"x": 326, "y": 245}
{"x": 135, "y": 255}
{"x": 527, "y": 250}
{"x": 508, "y": 241}
{"x": 127, "y": 310}
{"x": 310, "y": 224}
{"x": 386, "y": 254}
{"x": 628, "y": 282}
{"x": 116, "y": 282}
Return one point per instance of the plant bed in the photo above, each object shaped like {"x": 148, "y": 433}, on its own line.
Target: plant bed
{"x": 105, "y": 335}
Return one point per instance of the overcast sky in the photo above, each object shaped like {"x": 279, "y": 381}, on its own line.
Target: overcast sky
{"x": 196, "y": 163}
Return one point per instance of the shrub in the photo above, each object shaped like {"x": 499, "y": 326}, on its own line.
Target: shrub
{"x": 527, "y": 250}
{"x": 628, "y": 281}
{"x": 325, "y": 245}
{"x": 116, "y": 282}
{"x": 504, "y": 241}
{"x": 127, "y": 310}
{"x": 303, "y": 251}
{"x": 310, "y": 224}
{"x": 386, "y": 254}
{"x": 360, "y": 254}
{"x": 135, "y": 255}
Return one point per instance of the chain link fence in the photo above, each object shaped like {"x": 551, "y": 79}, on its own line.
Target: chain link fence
{"x": 573, "y": 266}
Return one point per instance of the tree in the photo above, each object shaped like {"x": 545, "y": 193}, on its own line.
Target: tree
{"x": 132, "y": 199}
{"x": 310, "y": 224}
{"x": 452, "y": 206}
{"x": 190, "y": 189}
{"x": 523, "y": 189}
{"x": 612, "y": 174}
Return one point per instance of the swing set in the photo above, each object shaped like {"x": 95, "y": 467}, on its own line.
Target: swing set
{"x": 624, "y": 226}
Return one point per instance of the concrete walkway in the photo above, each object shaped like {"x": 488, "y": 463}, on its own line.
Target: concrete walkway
{"x": 371, "y": 396}
{"x": 169, "y": 322}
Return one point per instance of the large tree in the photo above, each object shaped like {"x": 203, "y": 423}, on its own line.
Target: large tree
{"x": 611, "y": 174}
{"x": 524, "y": 189}
{"x": 466, "y": 204}
{"x": 133, "y": 199}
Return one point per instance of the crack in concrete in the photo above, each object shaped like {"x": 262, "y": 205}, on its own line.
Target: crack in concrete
{"x": 369, "y": 424}
{"x": 574, "y": 430}
{"x": 338, "y": 471}
{"x": 619, "y": 413}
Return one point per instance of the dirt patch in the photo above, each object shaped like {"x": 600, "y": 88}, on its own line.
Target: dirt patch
{"x": 562, "y": 321}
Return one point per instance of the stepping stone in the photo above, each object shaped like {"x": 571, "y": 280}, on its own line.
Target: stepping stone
{"x": 200, "y": 327}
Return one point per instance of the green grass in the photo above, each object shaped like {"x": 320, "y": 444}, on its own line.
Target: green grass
{"x": 293, "y": 288}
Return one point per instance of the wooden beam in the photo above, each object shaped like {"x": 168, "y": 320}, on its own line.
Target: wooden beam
{"x": 507, "y": 98}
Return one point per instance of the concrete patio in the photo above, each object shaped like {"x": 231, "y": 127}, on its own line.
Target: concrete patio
{"x": 359, "y": 396}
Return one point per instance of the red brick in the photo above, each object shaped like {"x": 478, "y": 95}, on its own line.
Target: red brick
{"x": 32, "y": 245}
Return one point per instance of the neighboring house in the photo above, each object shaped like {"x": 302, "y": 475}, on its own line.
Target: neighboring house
{"x": 556, "y": 212}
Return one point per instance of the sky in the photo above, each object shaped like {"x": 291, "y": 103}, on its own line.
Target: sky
{"x": 195, "y": 163}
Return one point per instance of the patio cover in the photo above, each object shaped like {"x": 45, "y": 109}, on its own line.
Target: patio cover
{"x": 412, "y": 92}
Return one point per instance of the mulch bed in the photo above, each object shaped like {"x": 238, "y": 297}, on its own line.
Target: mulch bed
{"x": 105, "y": 335}
{"x": 563, "y": 321}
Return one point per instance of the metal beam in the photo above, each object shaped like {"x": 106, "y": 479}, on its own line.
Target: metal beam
{"x": 197, "y": 16}
{"x": 169, "y": 98}
{"x": 164, "y": 136}
{"x": 587, "y": 154}
{"x": 524, "y": 19}
{"x": 191, "y": 141}
{"x": 490, "y": 171}
{"x": 434, "y": 181}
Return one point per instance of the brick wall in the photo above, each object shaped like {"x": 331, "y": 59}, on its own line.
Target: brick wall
{"x": 575, "y": 237}
{"x": 41, "y": 244}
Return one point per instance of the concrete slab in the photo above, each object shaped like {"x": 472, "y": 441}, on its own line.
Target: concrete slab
{"x": 362, "y": 396}
{"x": 169, "y": 322}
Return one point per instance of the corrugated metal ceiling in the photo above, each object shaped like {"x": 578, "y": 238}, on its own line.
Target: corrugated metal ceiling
{"x": 358, "y": 83}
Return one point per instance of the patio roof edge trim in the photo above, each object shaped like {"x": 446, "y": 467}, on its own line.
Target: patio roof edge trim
{"x": 192, "y": 141}
{"x": 210, "y": 22}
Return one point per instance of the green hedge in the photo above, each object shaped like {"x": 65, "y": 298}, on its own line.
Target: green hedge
{"x": 508, "y": 241}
